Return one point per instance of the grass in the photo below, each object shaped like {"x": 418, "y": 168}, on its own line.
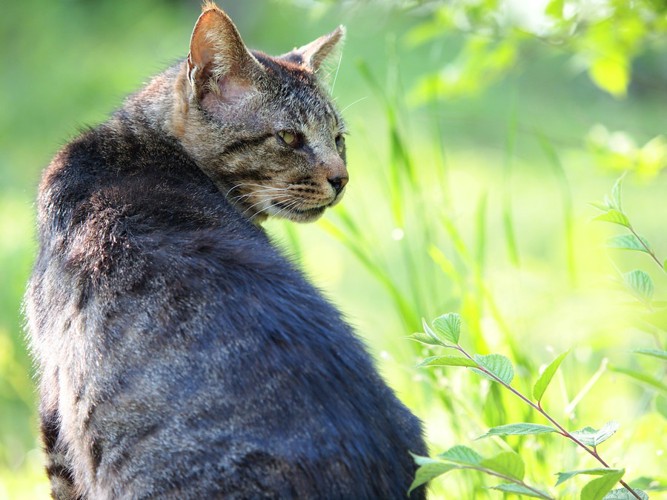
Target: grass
{"x": 478, "y": 205}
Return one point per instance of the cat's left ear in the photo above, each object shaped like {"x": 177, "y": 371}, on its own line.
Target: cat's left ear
{"x": 312, "y": 55}
{"x": 219, "y": 62}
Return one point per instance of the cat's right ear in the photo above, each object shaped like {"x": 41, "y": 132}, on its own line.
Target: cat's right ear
{"x": 219, "y": 62}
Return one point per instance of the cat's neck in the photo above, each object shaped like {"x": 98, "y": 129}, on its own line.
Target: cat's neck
{"x": 161, "y": 105}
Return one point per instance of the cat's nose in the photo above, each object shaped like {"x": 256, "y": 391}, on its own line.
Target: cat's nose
{"x": 338, "y": 183}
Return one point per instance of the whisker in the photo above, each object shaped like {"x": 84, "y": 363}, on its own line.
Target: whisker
{"x": 333, "y": 84}
{"x": 262, "y": 200}
{"x": 248, "y": 184}
{"x": 355, "y": 102}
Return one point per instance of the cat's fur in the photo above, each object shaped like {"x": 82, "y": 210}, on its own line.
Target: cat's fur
{"x": 180, "y": 354}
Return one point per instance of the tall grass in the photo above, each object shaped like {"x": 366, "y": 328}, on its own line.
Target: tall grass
{"x": 447, "y": 263}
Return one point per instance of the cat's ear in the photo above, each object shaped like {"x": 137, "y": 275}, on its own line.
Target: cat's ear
{"x": 219, "y": 62}
{"x": 312, "y": 55}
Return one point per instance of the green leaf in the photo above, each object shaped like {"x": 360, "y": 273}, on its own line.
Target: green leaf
{"x": 593, "y": 437}
{"x": 640, "y": 284}
{"x": 555, "y": 9}
{"x": 435, "y": 340}
{"x": 611, "y": 73}
{"x": 615, "y": 217}
{"x": 656, "y": 353}
{"x": 564, "y": 476}
{"x": 447, "y": 361}
{"x": 628, "y": 242}
{"x": 641, "y": 377}
{"x": 518, "y": 489}
{"x": 616, "y": 193}
{"x": 624, "y": 494}
{"x": 423, "y": 338}
{"x": 448, "y": 327}
{"x": 506, "y": 463}
{"x": 518, "y": 430}
{"x": 545, "y": 378}
{"x": 428, "y": 469}
{"x": 497, "y": 365}
{"x": 598, "y": 488}
{"x": 462, "y": 455}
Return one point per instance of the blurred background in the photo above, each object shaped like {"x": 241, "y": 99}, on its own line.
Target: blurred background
{"x": 481, "y": 132}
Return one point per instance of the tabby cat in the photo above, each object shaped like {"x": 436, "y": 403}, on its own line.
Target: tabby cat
{"x": 181, "y": 355}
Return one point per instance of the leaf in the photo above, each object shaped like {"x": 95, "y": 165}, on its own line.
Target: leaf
{"x": 518, "y": 489}
{"x": 448, "y": 327}
{"x": 447, "y": 361}
{"x": 424, "y": 339}
{"x": 496, "y": 364}
{"x": 593, "y": 437}
{"x": 518, "y": 430}
{"x": 598, "y": 488}
{"x": 641, "y": 377}
{"x": 611, "y": 74}
{"x": 624, "y": 494}
{"x": 615, "y": 217}
{"x": 616, "y": 193}
{"x": 603, "y": 207}
{"x": 506, "y": 463}
{"x": 462, "y": 455}
{"x": 656, "y": 353}
{"x": 545, "y": 377}
{"x": 628, "y": 242}
{"x": 564, "y": 476}
{"x": 428, "y": 469}
{"x": 640, "y": 284}
{"x": 555, "y": 9}
{"x": 435, "y": 340}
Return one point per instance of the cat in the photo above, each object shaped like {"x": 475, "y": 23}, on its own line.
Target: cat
{"x": 180, "y": 354}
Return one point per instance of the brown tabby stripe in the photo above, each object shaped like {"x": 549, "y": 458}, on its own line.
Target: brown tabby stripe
{"x": 236, "y": 146}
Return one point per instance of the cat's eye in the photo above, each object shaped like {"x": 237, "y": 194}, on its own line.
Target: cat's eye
{"x": 340, "y": 143}
{"x": 291, "y": 138}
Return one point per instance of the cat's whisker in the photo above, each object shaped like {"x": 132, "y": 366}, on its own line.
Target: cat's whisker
{"x": 247, "y": 211}
{"x": 262, "y": 186}
{"x": 265, "y": 190}
{"x": 352, "y": 104}
{"x": 262, "y": 200}
{"x": 286, "y": 208}
{"x": 247, "y": 184}
{"x": 333, "y": 84}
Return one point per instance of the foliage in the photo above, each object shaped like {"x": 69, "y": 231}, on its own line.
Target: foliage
{"x": 509, "y": 466}
{"x": 604, "y": 36}
{"x": 640, "y": 284}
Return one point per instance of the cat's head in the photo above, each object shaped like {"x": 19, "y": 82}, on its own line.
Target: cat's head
{"x": 263, "y": 128}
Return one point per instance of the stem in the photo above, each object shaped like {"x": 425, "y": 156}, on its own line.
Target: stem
{"x": 510, "y": 479}
{"x": 646, "y": 247}
{"x": 538, "y": 407}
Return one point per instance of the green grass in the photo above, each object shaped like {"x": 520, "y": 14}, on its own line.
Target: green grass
{"x": 478, "y": 205}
